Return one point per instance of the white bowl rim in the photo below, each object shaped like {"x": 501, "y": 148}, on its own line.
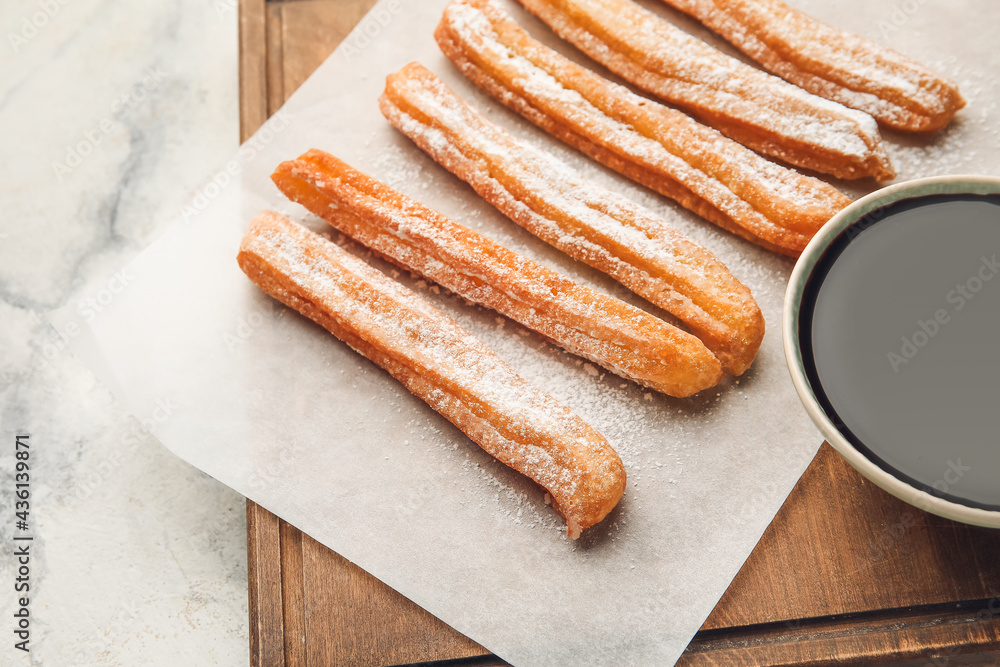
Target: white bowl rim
{"x": 814, "y": 251}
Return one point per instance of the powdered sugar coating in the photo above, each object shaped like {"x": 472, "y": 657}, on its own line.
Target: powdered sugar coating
{"x": 755, "y": 108}
{"x": 439, "y": 362}
{"x": 588, "y": 222}
{"x": 659, "y": 147}
{"x": 620, "y": 337}
{"x": 898, "y": 91}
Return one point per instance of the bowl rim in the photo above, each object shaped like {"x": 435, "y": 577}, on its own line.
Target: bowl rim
{"x": 814, "y": 251}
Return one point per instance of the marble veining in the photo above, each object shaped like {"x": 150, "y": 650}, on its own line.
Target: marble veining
{"x": 112, "y": 115}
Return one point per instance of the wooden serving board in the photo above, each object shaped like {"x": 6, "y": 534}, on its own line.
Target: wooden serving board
{"x": 844, "y": 574}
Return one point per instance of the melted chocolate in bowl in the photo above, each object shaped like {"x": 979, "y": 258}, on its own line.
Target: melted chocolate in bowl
{"x": 900, "y": 337}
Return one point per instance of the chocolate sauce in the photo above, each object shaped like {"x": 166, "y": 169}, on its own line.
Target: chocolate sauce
{"x": 900, "y": 334}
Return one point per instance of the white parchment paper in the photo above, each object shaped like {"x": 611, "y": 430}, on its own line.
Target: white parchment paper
{"x": 275, "y": 407}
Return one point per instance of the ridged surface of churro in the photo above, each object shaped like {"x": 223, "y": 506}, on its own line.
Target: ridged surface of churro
{"x": 439, "y": 362}
{"x": 898, "y": 91}
{"x": 590, "y": 223}
{"x": 613, "y": 334}
{"x": 757, "y": 109}
{"x": 654, "y": 145}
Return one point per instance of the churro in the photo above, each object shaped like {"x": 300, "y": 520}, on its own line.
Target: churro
{"x": 440, "y": 363}
{"x": 899, "y": 92}
{"x": 757, "y": 109}
{"x": 656, "y": 146}
{"x": 590, "y": 223}
{"x": 613, "y": 334}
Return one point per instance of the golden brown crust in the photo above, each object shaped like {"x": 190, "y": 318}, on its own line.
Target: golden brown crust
{"x": 440, "y": 363}
{"x": 596, "y": 226}
{"x": 621, "y": 338}
{"x": 898, "y": 91}
{"x": 654, "y": 145}
{"x": 754, "y": 108}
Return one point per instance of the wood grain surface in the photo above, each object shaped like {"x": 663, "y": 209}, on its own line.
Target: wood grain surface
{"x": 845, "y": 574}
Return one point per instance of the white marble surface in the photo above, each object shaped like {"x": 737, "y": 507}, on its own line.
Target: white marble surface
{"x": 138, "y": 558}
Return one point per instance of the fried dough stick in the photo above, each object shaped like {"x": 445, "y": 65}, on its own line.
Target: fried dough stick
{"x": 753, "y": 107}
{"x": 899, "y": 92}
{"x": 613, "y": 334}
{"x": 590, "y": 223}
{"x": 661, "y": 148}
{"x": 439, "y": 362}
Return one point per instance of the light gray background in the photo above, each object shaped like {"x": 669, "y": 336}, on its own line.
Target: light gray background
{"x": 138, "y": 558}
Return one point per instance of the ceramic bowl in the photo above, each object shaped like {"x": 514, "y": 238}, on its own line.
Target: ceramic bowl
{"x": 847, "y": 222}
